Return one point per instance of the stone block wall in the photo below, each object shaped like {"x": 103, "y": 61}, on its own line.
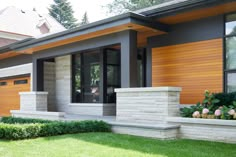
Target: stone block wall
{"x": 33, "y": 101}
{"x": 49, "y": 84}
{"x": 62, "y": 83}
{"x": 205, "y": 129}
{"x": 147, "y": 105}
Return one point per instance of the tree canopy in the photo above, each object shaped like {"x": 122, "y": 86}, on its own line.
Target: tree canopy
{"x": 85, "y": 19}
{"x": 62, "y": 11}
{"x": 121, "y": 6}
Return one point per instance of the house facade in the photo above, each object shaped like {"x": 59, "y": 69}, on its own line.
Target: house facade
{"x": 183, "y": 43}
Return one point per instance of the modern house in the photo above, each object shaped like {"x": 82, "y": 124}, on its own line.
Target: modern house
{"x": 17, "y": 24}
{"x": 183, "y": 43}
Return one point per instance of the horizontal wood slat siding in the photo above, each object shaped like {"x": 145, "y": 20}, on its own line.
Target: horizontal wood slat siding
{"x": 193, "y": 66}
{"x": 9, "y": 95}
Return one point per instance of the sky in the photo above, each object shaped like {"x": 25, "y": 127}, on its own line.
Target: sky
{"x": 94, "y": 8}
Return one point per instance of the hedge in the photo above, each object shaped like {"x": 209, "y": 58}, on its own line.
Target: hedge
{"x": 12, "y": 130}
{"x": 13, "y": 120}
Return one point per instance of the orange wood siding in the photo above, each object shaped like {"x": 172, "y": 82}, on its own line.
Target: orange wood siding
{"x": 9, "y": 95}
{"x": 193, "y": 66}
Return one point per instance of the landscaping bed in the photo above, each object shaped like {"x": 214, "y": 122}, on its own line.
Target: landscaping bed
{"x": 214, "y": 106}
{"x": 21, "y": 128}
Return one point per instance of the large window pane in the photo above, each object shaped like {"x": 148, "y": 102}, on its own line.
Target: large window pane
{"x": 91, "y": 75}
{"x": 231, "y": 82}
{"x": 230, "y": 26}
{"x": 231, "y": 53}
{"x": 140, "y": 67}
{"x": 113, "y": 57}
{"x": 113, "y": 74}
{"x": 77, "y": 78}
{"x": 86, "y": 77}
{"x": 91, "y": 94}
{"x": 91, "y": 57}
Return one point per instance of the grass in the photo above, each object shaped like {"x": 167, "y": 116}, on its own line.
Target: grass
{"x": 112, "y": 145}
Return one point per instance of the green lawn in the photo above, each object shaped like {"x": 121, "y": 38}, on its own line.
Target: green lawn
{"x": 112, "y": 145}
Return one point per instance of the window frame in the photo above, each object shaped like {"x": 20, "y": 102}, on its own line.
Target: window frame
{"x": 103, "y": 80}
{"x": 225, "y": 70}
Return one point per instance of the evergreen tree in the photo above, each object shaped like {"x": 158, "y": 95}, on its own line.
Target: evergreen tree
{"x": 121, "y": 6}
{"x": 62, "y": 11}
{"x": 84, "y": 20}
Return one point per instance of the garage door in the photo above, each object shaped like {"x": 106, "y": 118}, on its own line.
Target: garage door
{"x": 9, "y": 93}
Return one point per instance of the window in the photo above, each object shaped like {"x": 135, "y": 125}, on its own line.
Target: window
{"x": 141, "y": 61}
{"x": 86, "y": 77}
{"x": 112, "y": 68}
{"x": 3, "y": 83}
{"x": 17, "y": 82}
{"x": 97, "y": 73}
{"x": 230, "y": 53}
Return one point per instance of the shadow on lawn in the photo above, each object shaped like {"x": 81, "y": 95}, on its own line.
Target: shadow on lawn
{"x": 170, "y": 148}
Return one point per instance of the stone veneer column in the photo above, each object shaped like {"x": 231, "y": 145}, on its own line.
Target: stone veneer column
{"x": 147, "y": 105}
{"x": 33, "y": 101}
{"x": 49, "y": 84}
{"x": 62, "y": 83}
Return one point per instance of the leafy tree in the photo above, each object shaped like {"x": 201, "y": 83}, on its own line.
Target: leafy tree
{"x": 62, "y": 11}
{"x": 121, "y": 6}
{"x": 84, "y": 20}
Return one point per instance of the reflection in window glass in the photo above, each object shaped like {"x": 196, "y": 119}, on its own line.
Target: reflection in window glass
{"x": 231, "y": 82}
{"x": 231, "y": 53}
{"x": 230, "y": 26}
{"x": 77, "y": 79}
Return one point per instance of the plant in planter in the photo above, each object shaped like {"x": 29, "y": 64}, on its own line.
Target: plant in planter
{"x": 189, "y": 111}
{"x": 205, "y": 112}
{"x": 212, "y": 107}
{"x": 210, "y": 101}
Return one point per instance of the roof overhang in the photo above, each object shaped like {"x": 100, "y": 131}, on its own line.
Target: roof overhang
{"x": 178, "y": 11}
{"x": 111, "y": 25}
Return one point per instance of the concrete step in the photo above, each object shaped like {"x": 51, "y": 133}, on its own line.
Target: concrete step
{"x": 160, "y": 131}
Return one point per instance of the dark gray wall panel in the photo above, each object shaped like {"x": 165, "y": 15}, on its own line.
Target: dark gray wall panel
{"x": 14, "y": 61}
{"x": 203, "y": 29}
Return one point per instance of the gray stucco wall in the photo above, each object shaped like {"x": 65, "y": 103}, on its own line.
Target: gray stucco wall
{"x": 14, "y": 61}
{"x": 198, "y": 30}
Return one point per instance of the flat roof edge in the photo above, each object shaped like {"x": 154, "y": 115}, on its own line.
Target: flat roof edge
{"x": 182, "y": 5}
{"x": 129, "y": 17}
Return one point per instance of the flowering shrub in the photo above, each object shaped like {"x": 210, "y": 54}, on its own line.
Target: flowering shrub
{"x": 210, "y": 108}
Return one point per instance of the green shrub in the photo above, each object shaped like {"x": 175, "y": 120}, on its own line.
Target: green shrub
{"x": 13, "y": 120}
{"x": 188, "y": 111}
{"x": 226, "y": 99}
{"x": 20, "y": 128}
